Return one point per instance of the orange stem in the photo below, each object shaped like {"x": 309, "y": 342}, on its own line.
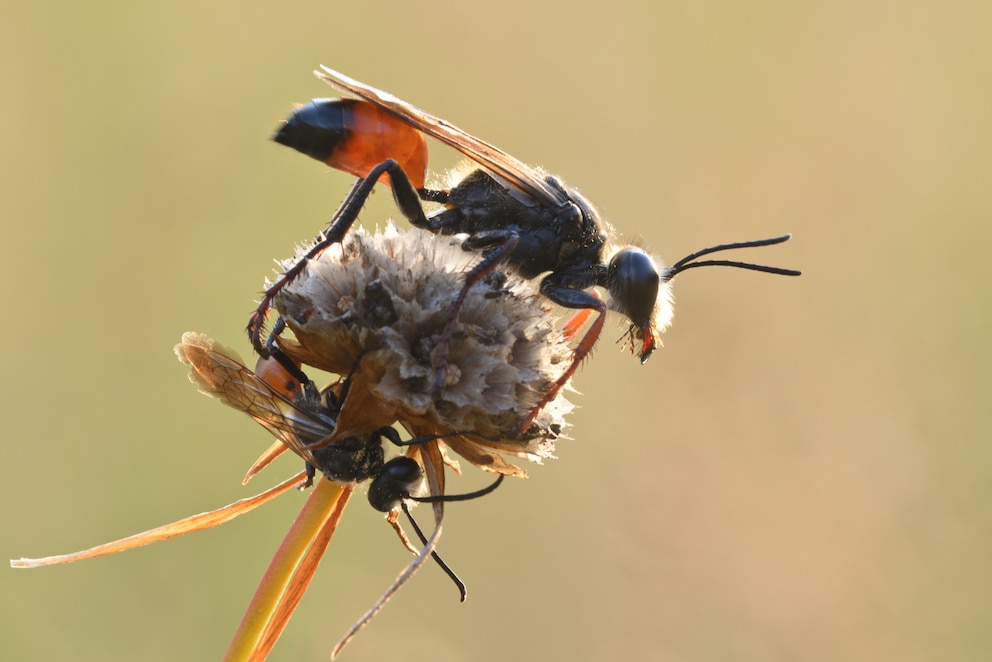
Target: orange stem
{"x": 319, "y": 508}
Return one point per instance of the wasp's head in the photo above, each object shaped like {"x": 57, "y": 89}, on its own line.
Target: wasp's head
{"x": 638, "y": 290}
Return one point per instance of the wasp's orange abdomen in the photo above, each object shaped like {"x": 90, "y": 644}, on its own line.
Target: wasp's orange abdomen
{"x": 355, "y": 136}
{"x": 275, "y": 375}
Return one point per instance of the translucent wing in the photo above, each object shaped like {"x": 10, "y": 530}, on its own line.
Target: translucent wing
{"x": 219, "y": 372}
{"x": 517, "y": 173}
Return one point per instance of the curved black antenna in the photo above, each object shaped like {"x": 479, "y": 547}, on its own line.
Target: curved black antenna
{"x": 688, "y": 261}
{"x": 462, "y": 590}
{"x": 441, "y": 499}
{"x": 444, "y": 498}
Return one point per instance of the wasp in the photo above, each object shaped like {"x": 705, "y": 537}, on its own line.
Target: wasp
{"x": 513, "y": 215}
{"x": 304, "y": 419}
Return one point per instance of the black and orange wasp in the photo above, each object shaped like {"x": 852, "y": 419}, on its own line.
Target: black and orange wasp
{"x": 304, "y": 418}
{"x": 513, "y": 214}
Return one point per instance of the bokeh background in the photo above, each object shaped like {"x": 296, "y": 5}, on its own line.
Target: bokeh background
{"x": 802, "y": 473}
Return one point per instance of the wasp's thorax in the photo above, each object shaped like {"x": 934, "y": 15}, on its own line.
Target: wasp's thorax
{"x": 638, "y": 291}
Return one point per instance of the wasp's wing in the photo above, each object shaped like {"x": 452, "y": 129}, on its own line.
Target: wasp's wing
{"x": 219, "y": 374}
{"x": 517, "y": 173}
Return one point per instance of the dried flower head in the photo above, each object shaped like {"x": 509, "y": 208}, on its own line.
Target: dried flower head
{"x": 372, "y": 310}
{"x": 384, "y": 299}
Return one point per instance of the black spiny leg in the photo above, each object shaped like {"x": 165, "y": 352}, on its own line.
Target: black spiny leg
{"x": 272, "y": 350}
{"x": 408, "y": 199}
{"x": 473, "y": 276}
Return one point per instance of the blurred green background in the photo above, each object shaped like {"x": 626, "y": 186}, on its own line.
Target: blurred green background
{"x": 802, "y": 473}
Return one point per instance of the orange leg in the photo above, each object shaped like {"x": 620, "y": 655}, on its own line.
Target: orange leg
{"x": 581, "y": 351}
{"x": 576, "y": 321}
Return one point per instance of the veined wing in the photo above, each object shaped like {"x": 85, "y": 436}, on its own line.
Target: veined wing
{"x": 519, "y": 174}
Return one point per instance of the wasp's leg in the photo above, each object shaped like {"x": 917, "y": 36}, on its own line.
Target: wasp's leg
{"x": 393, "y": 436}
{"x": 408, "y": 199}
{"x": 473, "y": 276}
{"x": 568, "y": 297}
{"x": 272, "y": 351}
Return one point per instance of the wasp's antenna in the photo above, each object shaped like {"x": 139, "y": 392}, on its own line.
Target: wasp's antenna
{"x": 688, "y": 261}
{"x": 443, "y": 498}
{"x": 437, "y": 558}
